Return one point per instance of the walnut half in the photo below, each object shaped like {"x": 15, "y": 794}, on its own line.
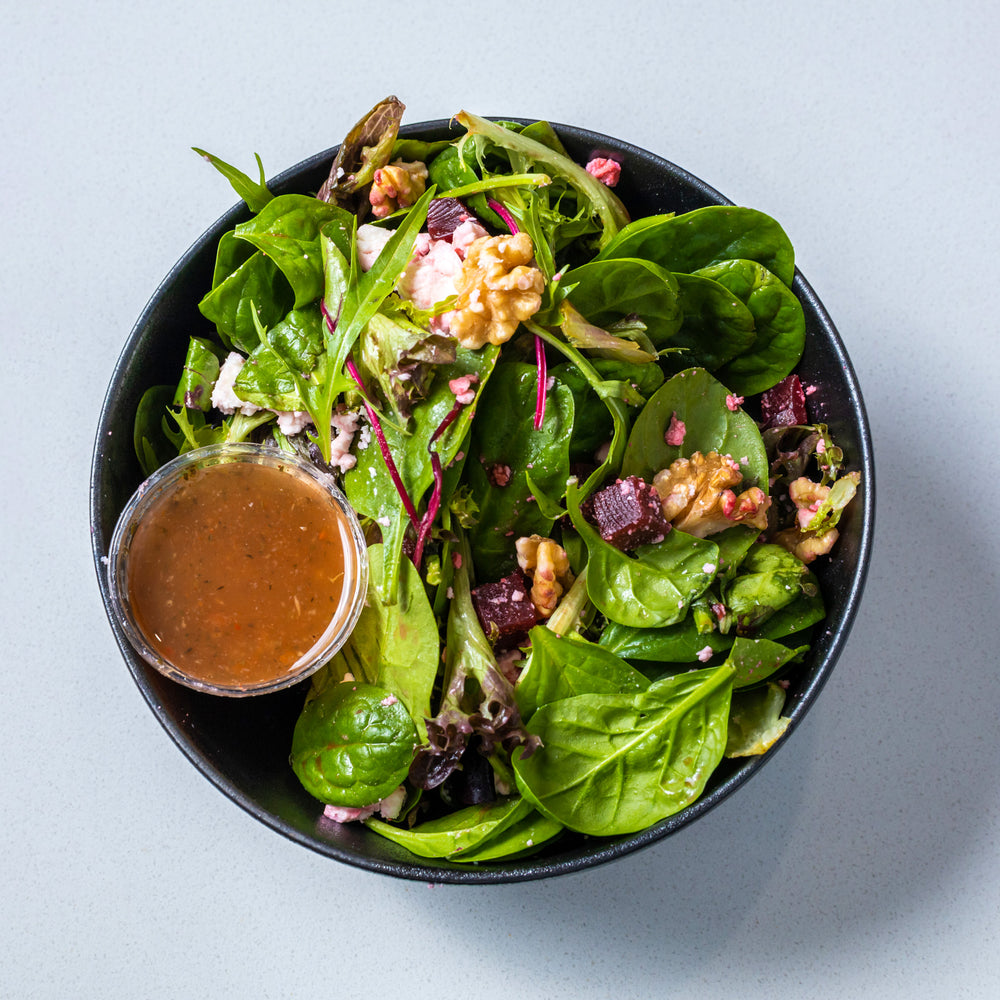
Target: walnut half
{"x": 496, "y": 290}
{"x": 546, "y": 563}
{"x": 698, "y": 498}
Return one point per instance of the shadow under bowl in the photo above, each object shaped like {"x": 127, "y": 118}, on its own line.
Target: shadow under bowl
{"x": 242, "y": 745}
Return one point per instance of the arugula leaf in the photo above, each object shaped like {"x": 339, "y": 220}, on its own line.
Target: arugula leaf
{"x": 254, "y": 193}
{"x": 393, "y": 646}
{"x": 603, "y": 202}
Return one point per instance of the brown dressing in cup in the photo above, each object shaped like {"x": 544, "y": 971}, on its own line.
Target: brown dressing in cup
{"x": 238, "y": 573}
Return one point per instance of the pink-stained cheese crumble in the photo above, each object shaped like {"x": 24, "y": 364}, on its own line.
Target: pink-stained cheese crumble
{"x": 675, "y": 432}
{"x": 462, "y": 388}
{"x": 607, "y": 171}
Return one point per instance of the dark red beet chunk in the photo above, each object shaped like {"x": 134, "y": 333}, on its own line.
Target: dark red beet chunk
{"x": 444, "y": 216}
{"x": 784, "y": 405}
{"x": 504, "y": 608}
{"x": 628, "y": 513}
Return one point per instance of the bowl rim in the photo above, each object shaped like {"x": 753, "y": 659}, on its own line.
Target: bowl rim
{"x": 596, "y": 852}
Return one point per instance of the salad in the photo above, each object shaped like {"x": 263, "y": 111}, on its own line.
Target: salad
{"x": 581, "y": 457}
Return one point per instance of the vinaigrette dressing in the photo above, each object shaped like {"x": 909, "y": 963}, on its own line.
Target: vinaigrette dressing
{"x": 239, "y": 572}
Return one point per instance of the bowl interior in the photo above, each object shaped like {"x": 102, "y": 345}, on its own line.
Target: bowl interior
{"x": 242, "y": 745}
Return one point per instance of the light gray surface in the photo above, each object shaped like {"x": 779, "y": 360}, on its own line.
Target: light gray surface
{"x": 863, "y": 860}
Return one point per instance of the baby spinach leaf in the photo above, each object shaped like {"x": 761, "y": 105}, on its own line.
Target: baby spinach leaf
{"x": 198, "y": 376}
{"x": 560, "y": 667}
{"x": 755, "y": 721}
{"x": 152, "y": 444}
{"x": 700, "y": 402}
{"x": 286, "y": 230}
{"x": 754, "y": 660}
{"x": 393, "y": 646}
{"x": 652, "y": 588}
{"x": 614, "y": 764}
{"x": 680, "y": 643}
{"x": 608, "y": 291}
{"x": 353, "y": 744}
{"x": 504, "y": 452}
{"x": 255, "y": 291}
{"x": 278, "y": 366}
{"x": 458, "y": 832}
{"x": 716, "y": 328}
{"x": 779, "y": 322}
{"x": 706, "y": 236}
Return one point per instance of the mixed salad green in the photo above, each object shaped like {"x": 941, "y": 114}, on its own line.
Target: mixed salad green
{"x": 581, "y": 459}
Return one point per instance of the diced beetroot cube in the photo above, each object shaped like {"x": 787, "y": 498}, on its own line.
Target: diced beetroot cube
{"x": 784, "y": 405}
{"x": 444, "y": 216}
{"x": 628, "y": 513}
{"x": 505, "y": 609}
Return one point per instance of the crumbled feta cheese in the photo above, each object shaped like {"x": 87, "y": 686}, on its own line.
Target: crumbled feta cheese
{"x": 705, "y": 654}
{"x": 224, "y": 396}
{"x": 292, "y": 422}
{"x": 345, "y": 425}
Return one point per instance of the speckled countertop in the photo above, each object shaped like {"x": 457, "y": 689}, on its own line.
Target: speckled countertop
{"x": 863, "y": 860}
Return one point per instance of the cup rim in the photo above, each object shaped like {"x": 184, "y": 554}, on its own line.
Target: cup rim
{"x": 165, "y": 478}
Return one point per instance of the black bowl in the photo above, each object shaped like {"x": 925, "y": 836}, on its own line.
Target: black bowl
{"x": 242, "y": 745}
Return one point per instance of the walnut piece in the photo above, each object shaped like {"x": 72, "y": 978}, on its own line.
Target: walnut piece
{"x": 698, "y": 498}
{"x": 545, "y": 562}
{"x": 397, "y": 185}
{"x": 496, "y": 290}
{"x": 802, "y": 543}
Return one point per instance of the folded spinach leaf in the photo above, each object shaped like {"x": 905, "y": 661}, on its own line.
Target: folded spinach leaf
{"x": 560, "y": 667}
{"x": 353, "y": 744}
{"x": 198, "y": 377}
{"x": 457, "y": 833}
{"x": 754, "y": 660}
{"x": 608, "y": 291}
{"x": 755, "y": 721}
{"x": 716, "y": 328}
{"x": 769, "y": 579}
